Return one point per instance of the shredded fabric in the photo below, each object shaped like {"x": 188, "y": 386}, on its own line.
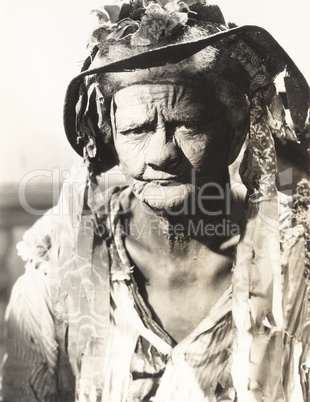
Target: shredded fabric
{"x": 114, "y": 350}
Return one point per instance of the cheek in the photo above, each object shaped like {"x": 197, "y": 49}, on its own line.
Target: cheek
{"x": 196, "y": 149}
{"x": 207, "y": 154}
{"x": 130, "y": 155}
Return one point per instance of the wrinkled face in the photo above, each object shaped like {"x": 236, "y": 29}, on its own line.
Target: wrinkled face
{"x": 170, "y": 140}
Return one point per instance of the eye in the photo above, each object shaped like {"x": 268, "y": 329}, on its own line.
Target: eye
{"x": 173, "y": 126}
{"x": 189, "y": 128}
{"x": 139, "y": 130}
{"x": 188, "y": 124}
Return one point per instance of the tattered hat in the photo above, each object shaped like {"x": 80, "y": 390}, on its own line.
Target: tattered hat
{"x": 153, "y": 35}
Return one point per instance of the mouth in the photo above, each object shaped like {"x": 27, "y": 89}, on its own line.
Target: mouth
{"x": 166, "y": 182}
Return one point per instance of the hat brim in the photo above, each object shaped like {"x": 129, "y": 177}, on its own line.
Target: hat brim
{"x": 169, "y": 54}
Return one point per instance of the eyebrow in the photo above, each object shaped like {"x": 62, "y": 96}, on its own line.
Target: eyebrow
{"x": 129, "y": 125}
{"x": 199, "y": 114}
{"x": 132, "y": 127}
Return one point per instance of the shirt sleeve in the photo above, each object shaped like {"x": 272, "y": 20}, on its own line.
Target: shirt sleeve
{"x": 29, "y": 370}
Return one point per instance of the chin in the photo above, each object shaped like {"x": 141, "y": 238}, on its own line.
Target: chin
{"x": 163, "y": 196}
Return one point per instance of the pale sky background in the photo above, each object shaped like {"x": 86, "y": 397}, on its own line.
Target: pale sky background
{"x": 41, "y": 43}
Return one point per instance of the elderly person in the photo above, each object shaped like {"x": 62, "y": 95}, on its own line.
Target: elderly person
{"x": 174, "y": 287}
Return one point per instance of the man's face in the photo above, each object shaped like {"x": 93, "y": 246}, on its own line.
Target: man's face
{"x": 170, "y": 140}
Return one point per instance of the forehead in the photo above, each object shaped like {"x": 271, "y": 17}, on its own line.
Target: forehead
{"x": 167, "y": 94}
{"x": 137, "y": 101}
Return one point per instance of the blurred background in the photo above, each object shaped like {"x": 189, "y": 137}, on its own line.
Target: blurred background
{"x": 41, "y": 45}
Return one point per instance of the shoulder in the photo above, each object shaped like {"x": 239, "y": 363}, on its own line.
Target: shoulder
{"x": 295, "y": 232}
{"x": 294, "y": 213}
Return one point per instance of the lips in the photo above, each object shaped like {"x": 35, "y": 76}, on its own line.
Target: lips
{"x": 165, "y": 179}
{"x": 165, "y": 182}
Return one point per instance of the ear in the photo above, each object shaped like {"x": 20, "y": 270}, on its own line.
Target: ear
{"x": 112, "y": 117}
{"x": 238, "y": 136}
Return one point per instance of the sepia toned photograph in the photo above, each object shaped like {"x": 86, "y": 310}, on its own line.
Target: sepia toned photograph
{"x": 155, "y": 201}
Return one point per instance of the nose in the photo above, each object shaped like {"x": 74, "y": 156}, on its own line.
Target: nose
{"x": 162, "y": 153}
